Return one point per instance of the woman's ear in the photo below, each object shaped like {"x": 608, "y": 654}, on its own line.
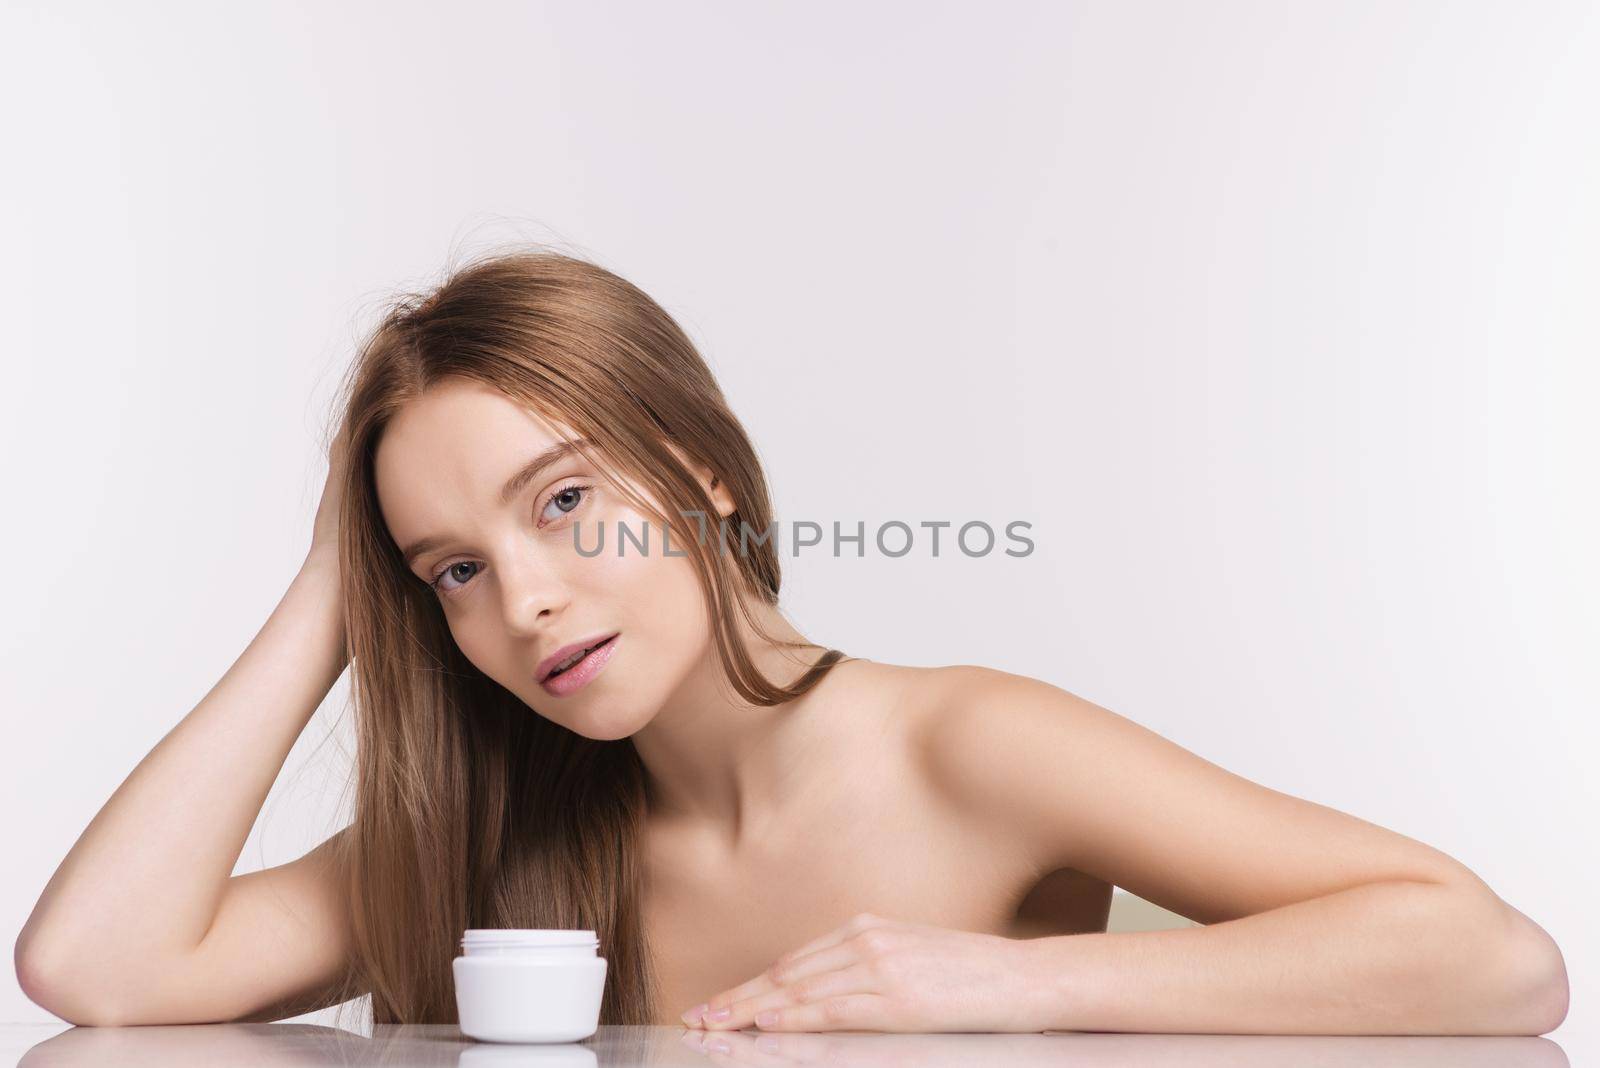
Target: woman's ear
{"x": 718, "y": 491}
{"x": 715, "y": 488}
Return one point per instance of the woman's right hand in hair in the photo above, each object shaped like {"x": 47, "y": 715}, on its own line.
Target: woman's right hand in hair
{"x": 325, "y": 528}
{"x": 143, "y": 922}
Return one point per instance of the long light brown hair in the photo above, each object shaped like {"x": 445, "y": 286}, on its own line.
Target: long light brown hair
{"x": 472, "y": 810}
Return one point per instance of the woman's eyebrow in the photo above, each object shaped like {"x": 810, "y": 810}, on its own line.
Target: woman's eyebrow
{"x": 514, "y": 485}
{"x": 530, "y": 470}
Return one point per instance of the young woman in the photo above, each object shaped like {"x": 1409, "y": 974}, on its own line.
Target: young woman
{"x": 763, "y": 831}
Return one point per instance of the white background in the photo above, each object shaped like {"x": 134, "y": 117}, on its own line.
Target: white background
{"x": 1277, "y": 321}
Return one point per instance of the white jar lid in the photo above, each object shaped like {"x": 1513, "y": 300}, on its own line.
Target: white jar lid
{"x": 527, "y": 936}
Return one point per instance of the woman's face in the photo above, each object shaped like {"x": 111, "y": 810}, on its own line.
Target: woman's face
{"x": 512, "y": 585}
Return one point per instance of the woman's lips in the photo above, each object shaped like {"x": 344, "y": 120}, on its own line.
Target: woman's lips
{"x": 578, "y": 675}
{"x": 561, "y": 655}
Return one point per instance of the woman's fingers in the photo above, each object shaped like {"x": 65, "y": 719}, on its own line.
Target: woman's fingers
{"x": 787, "y": 969}
{"x": 844, "y": 1012}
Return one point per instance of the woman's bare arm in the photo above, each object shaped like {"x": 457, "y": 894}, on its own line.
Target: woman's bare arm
{"x": 141, "y": 922}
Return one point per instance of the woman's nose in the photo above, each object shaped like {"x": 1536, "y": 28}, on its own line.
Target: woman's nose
{"x": 530, "y": 591}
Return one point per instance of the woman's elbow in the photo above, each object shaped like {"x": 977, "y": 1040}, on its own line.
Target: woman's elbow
{"x": 1538, "y": 971}
{"x": 52, "y": 989}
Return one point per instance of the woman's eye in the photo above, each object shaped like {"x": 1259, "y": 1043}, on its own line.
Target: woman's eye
{"x": 448, "y": 572}
{"x": 565, "y": 501}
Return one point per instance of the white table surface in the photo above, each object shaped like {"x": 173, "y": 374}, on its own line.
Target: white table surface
{"x": 301, "y": 1044}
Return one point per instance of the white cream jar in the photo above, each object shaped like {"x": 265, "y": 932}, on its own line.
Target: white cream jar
{"x": 529, "y": 985}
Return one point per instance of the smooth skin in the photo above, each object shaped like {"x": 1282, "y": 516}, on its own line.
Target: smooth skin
{"x": 1079, "y": 786}
{"x": 874, "y": 855}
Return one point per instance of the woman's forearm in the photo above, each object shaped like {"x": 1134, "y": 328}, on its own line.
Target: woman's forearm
{"x": 144, "y": 879}
{"x": 1382, "y": 958}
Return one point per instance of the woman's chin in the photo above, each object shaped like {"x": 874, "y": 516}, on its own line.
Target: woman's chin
{"x": 609, "y": 731}
{"x": 604, "y": 725}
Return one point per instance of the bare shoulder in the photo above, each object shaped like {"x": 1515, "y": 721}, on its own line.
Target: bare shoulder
{"x": 924, "y": 709}
{"x": 887, "y": 698}
{"x": 1010, "y": 748}
{"x": 875, "y": 702}
{"x": 963, "y": 717}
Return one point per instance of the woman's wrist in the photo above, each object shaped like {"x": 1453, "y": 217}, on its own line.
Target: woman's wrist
{"x": 321, "y": 560}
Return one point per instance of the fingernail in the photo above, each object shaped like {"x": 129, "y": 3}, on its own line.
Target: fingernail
{"x": 720, "y": 1014}
{"x": 720, "y": 1045}
{"x": 766, "y": 1017}
{"x": 694, "y": 1014}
